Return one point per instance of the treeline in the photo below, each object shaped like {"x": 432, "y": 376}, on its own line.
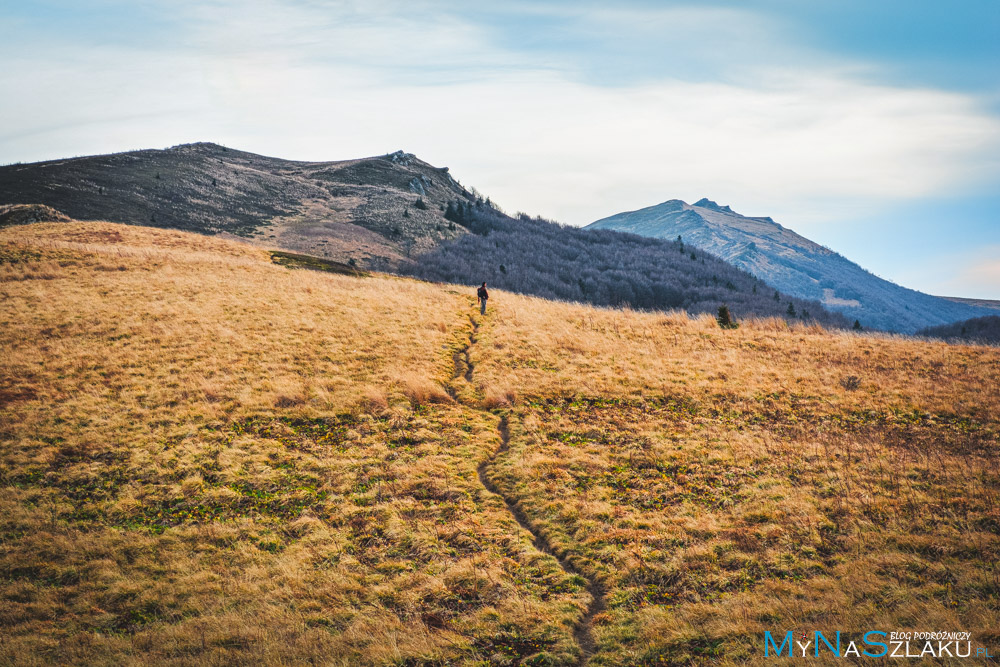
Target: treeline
{"x": 601, "y": 267}
{"x": 977, "y": 330}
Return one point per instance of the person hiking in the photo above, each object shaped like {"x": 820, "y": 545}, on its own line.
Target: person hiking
{"x": 482, "y": 295}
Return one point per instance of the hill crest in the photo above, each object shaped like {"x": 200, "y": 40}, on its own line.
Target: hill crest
{"x": 375, "y": 210}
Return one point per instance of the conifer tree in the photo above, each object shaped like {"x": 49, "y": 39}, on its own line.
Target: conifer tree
{"x": 725, "y": 319}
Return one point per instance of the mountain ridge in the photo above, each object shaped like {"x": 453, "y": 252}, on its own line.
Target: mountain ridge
{"x": 373, "y": 210}
{"x": 792, "y": 263}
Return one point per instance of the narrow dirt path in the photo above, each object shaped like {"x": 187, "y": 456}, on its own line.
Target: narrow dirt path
{"x": 583, "y": 632}
{"x": 462, "y": 363}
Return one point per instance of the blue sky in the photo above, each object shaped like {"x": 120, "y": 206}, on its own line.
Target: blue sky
{"x": 870, "y": 127}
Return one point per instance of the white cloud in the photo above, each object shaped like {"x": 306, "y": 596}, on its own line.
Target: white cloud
{"x": 804, "y": 142}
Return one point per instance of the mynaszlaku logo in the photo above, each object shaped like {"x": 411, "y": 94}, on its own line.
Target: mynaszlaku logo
{"x": 875, "y": 644}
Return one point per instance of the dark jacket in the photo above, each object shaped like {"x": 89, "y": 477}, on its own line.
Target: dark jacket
{"x": 481, "y": 293}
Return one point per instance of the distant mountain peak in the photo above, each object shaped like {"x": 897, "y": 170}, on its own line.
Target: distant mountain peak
{"x": 671, "y": 205}
{"x": 705, "y": 202}
{"x": 401, "y": 158}
{"x": 200, "y": 146}
{"x": 791, "y": 263}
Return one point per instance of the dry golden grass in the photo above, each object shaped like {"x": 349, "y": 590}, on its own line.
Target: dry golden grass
{"x": 709, "y": 523}
{"x": 723, "y": 483}
{"x": 542, "y": 348}
{"x": 209, "y": 459}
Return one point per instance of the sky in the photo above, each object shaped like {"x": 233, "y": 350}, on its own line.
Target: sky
{"x": 870, "y": 127}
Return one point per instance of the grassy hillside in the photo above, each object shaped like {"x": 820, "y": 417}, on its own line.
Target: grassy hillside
{"x": 210, "y": 458}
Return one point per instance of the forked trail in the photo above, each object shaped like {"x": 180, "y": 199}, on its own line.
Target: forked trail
{"x": 583, "y": 632}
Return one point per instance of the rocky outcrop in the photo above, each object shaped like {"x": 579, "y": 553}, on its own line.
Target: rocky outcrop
{"x": 26, "y": 214}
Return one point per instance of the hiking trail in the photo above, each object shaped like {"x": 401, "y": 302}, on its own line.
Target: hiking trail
{"x": 583, "y": 631}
